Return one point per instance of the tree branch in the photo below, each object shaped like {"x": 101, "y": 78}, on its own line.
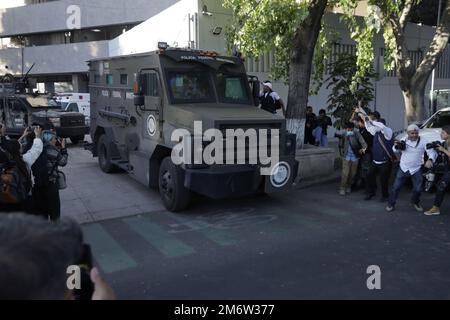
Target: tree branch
{"x": 437, "y": 47}
{"x": 405, "y": 13}
{"x": 402, "y": 59}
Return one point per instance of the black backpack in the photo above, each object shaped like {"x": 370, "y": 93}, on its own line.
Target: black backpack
{"x": 40, "y": 171}
{"x": 15, "y": 185}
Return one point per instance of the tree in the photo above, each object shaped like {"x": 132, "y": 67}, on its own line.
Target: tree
{"x": 289, "y": 27}
{"x": 342, "y": 99}
{"x": 394, "y": 15}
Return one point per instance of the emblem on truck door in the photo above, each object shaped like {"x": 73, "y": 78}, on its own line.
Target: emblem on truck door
{"x": 151, "y": 125}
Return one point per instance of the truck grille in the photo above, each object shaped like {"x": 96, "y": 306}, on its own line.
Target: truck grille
{"x": 250, "y": 147}
{"x": 72, "y": 121}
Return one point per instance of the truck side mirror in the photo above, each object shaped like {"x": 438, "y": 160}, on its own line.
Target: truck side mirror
{"x": 139, "y": 98}
{"x": 255, "y": 91}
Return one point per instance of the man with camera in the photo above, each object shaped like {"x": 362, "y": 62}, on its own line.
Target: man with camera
{"x": 412, "y": 149}
{"x": 443, "y": 149}
{"x": 382, "y": 156}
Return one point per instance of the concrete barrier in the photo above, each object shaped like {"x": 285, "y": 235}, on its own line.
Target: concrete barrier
{"x": 316, "y": 164}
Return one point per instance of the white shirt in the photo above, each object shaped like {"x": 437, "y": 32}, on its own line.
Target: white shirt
{"x": 412, "y": 158}
{"x": 31, "y": 156}
{"x": 375, "y": 126}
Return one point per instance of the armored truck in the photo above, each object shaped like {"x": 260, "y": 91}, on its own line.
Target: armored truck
{"x": 19, "y": 110}
{"x": 147, "y": 107}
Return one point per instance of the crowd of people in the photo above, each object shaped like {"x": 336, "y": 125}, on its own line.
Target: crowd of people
{"x": 30, "y": 175}
{"x": 370, "y": 152}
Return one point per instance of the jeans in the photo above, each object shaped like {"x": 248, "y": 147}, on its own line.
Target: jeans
{"x": 384, "y": 171}
{"x": 320, "y": 137}
{"x": 401, "y": 177}
{"x": 440, "y": 189}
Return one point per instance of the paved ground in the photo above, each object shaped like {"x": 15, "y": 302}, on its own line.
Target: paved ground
{"x": 309, "y": 243}
{"x": 93, "y": 195}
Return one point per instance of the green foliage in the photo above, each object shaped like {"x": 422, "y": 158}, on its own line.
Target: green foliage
{"x": 263, "y": 25}
{"x": 327, "y": 37}
{"x": 344, "y": 97}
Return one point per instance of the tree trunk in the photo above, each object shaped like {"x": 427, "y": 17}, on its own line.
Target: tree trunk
{"x": 413, "y": 81}
{"x": 414, "y": 101}
{"x": 300, "y": 65}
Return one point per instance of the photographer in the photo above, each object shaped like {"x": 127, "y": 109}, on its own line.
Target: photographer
{"x": 34, "y": 256}
{"x": 46, "y": 201}
{"x": 412, "y": 149}
{"x": 445, "y": 180}
{"x": 382, "y": 156}
{"x": 353, "y": 146}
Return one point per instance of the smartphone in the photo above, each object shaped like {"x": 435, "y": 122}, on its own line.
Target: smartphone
{"x": 87, "y": 287}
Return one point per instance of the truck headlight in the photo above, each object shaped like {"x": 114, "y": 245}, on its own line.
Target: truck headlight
{"x": 280, "y": 175}
{"x": 55, "y": 121}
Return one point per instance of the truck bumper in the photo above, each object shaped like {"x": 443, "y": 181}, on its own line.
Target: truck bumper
{"x": 67, "y": 132}
{"x": 223, "y": 181}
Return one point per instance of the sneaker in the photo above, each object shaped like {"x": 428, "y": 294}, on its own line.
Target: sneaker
{"x": 369, "y": 196}
{"x": 342, "y": 192}
{"x": 348, "y": 190}
{"x": 389, "y": 208}
{"x": 434, "y": 211}
{"x": 418, "y": 207}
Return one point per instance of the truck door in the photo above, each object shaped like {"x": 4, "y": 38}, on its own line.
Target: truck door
{"x": 153, "y": 104}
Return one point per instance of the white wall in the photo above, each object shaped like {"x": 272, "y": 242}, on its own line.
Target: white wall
{"x": 56, "y": 59}
{"x": 53, "y": 16}
{"x": 170, "y": 25}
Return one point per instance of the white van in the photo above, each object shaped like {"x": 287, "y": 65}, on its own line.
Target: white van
{"x": 75, "y": 102}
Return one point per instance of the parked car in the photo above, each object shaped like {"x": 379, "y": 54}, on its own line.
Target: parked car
{"x": 430, "y": 129}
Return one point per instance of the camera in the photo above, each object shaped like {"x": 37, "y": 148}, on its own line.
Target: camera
{"x": 87, "y": 287}
{"x": 400, "y": 145}
{"x": 433, "y": 145}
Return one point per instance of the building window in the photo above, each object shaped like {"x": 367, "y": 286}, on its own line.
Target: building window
{"x": 97, "y": 78}
{"x": 123, "y": 79}
{"x": 109, "y": 79}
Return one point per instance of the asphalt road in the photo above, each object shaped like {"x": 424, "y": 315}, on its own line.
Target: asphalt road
{"x": 303, "y": 244}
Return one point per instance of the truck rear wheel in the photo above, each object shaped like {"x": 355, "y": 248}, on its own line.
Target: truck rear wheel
{"x": 77, "y": 139}
{"x": 171, "y": 186}
{"x": 104, "y": 155}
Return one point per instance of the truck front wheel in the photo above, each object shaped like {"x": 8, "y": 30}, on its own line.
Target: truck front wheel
{"x": 104, "y": 155}
{"x": 171, "y": 186}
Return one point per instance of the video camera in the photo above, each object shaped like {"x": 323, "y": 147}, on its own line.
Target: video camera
{"x": 434, "y": 145}
{"x": 400, "y": 145}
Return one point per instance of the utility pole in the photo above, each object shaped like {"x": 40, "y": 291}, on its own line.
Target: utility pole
{"x": 434, "y": 69}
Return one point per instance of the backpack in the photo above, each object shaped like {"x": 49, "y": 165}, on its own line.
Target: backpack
{"x": 40, "y": 171}
{"x": 14, "y": 186}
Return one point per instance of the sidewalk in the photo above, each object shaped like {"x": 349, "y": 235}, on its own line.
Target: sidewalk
{"x": 93, "y": 195}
